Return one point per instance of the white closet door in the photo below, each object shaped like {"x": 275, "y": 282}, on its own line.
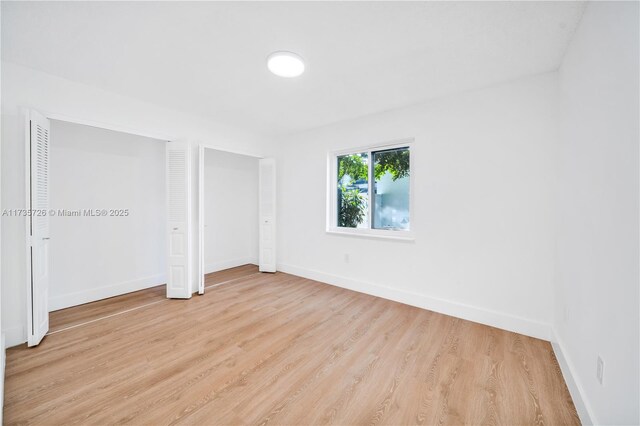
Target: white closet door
{"x": 38, "y": 138}
{"x": 201, "y": 219}
{"x": 179, "y": 220}
{"x": 267, "y": 214}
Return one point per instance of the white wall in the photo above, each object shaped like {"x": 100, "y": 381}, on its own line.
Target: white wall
{"x": 596, "y": 291}
{"x": 231, "y": 210}
{"x": 92, "y": 258}
{"x": 2, "y": 336}
{"x": 483, "y": 216}
{"x": 24, "y": 87}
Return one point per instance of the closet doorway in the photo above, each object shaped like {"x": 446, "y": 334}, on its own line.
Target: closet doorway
{"x": 98, "y": 228}
{"x": 234, "y": 194}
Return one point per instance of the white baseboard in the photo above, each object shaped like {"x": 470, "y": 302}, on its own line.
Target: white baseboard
{"x": 573, "y": 383}
{"x": 502, "y": 320}
{"x": 472, "y": 313}
{"x": 17, "y": 335}
{"x": 226, "y": 264}
{"x": 99, "y": 293}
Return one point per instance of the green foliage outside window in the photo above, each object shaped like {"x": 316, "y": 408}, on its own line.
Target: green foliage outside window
{"x": 395, "y": 162}
{"x": 352, "y": 205}
{"x": 353, "y": 166}
{"x": 352, "y": 209}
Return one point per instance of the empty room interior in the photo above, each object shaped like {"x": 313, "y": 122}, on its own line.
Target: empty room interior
{"x": 313, "y": 213}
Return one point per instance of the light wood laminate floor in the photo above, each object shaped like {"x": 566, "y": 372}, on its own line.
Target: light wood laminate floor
{"x": 280, "y": 349}
{"x": 82, "y": 314}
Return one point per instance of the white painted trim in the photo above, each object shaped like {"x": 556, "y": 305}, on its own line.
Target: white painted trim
{"x": 226, "y": 264}
{"x": 27, "y": 222}
{"x": 502, "y": 320}
{"x": 492, "y": 318}
{"x": 201, "y": 267}
{"x": 332, "y": 192}
{"x": 207, "y": 145}
{"x": 373, "y": 233}
{"x": 106, "y": 126}
{"x": 104, "y": 292}
{"x": 585, "y": 412}
{"x": 381, "y": 146}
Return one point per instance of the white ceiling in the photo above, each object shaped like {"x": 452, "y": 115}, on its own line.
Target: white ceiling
{"x": 362, "y": 57}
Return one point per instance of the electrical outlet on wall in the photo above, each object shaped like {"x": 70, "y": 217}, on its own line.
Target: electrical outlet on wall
{"x": 346, "y": 258}
{"x": 600, "y": 370}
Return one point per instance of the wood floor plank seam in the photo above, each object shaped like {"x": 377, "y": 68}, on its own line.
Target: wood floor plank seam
{"x": 104, "y": 318}
{"x": 64, "y": 328}
{"x": 279, "y": 349}
{"x": 297, "y": 337}
{"x": 229, "y": 281}
{"x": 232, "y": 383}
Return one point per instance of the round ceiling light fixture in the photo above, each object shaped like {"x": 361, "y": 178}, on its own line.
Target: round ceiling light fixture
{"x": 285, "y": 64}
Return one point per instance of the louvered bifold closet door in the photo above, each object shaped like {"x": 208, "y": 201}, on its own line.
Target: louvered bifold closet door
{"x": 179, "y": 220}
{"x": 267, "y": 213}
{"x": 39, "y": 138}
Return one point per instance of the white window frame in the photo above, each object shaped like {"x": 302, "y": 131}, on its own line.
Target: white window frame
{"x": 332, "y": 193}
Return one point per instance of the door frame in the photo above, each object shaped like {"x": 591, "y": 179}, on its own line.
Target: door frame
{"x": 107, "y": 126}
{"x": 201, "y": 210}
{"x": 27, "y": 223}
{"x": 26, "y": 114}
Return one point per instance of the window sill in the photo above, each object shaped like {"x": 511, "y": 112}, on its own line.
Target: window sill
{"x": 376, "y": 234}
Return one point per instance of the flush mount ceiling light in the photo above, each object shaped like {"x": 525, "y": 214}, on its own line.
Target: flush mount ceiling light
{"x": 285, "y": 64}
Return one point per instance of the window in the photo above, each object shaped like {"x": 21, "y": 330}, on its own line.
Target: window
{"x": 370, "y": 191}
